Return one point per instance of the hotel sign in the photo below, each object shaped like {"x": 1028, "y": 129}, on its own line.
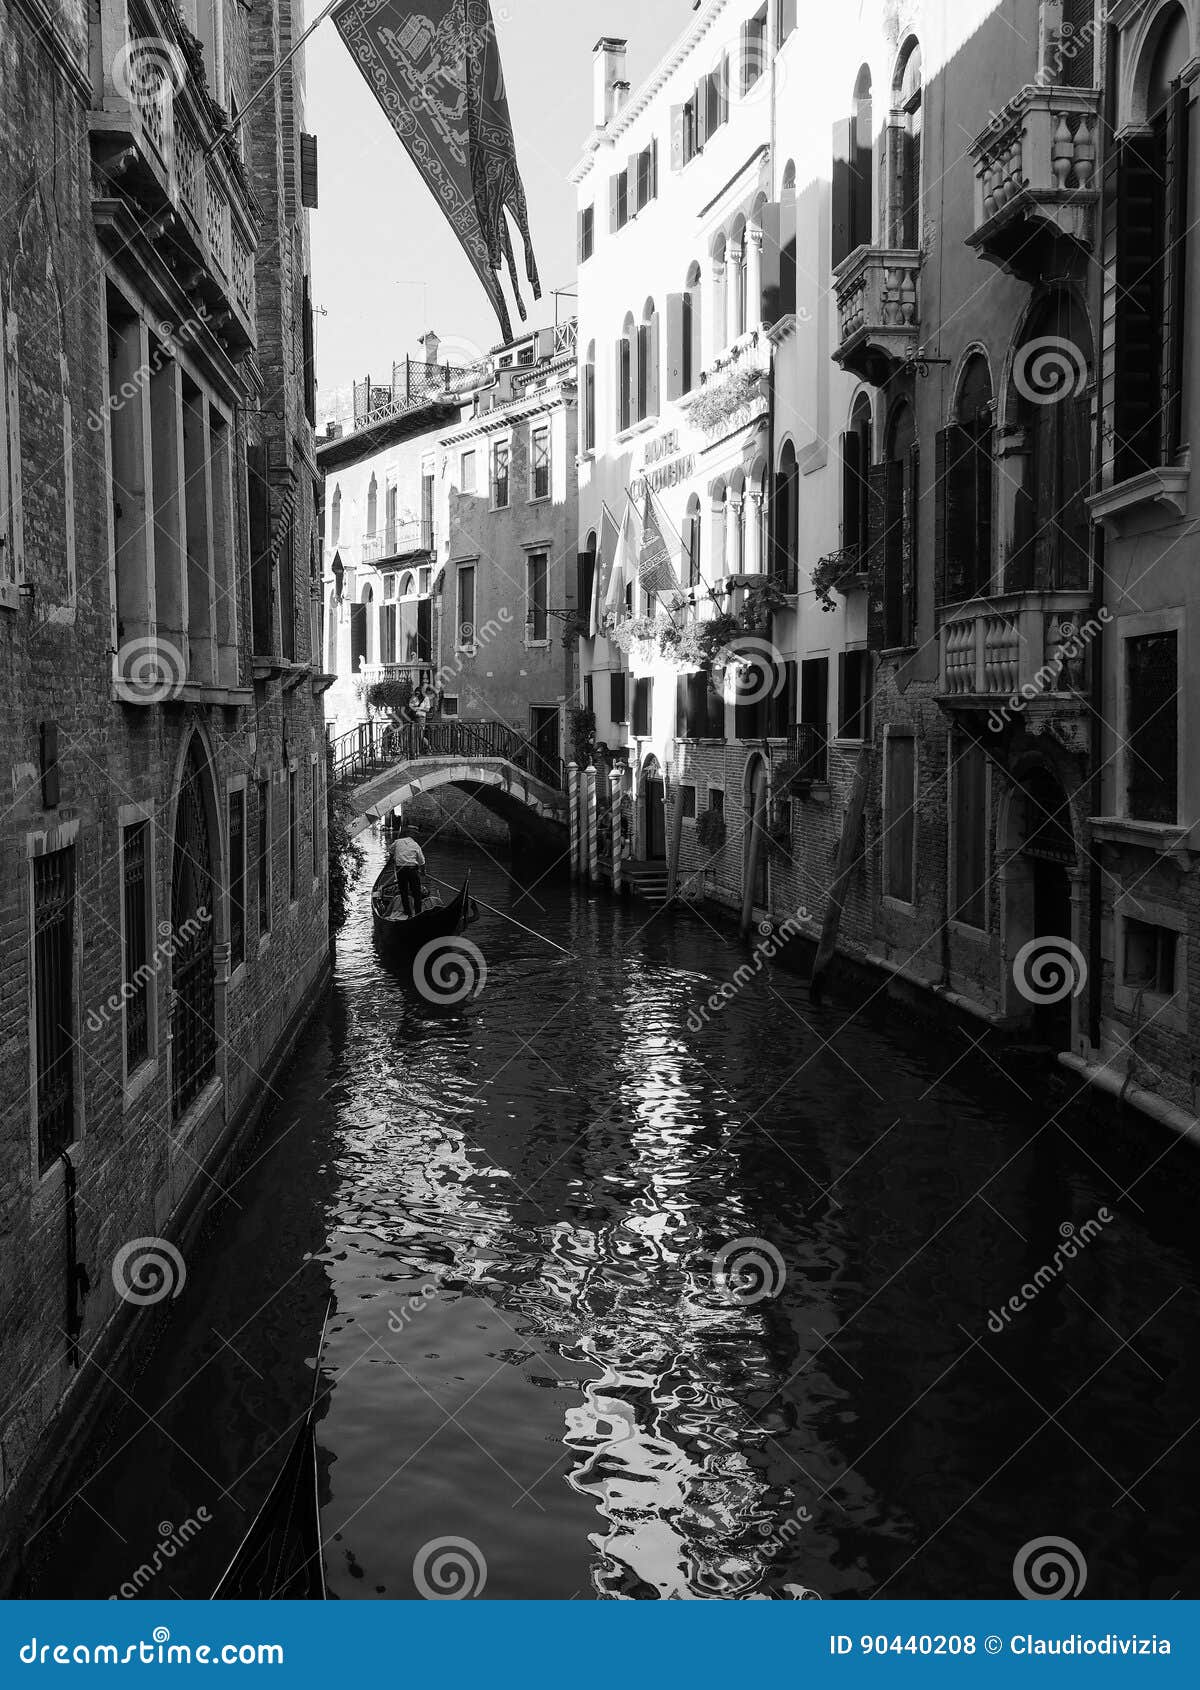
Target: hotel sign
{"x": 664, "y": 465}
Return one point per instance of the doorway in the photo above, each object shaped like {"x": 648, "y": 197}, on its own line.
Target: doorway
{"x": 654, "y": 817}
{"x": 543, "y": 731}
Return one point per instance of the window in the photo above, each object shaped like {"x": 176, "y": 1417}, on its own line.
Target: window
{"x": 391, "y": 503}
{"x": 466, "y": 472}
{"x": 449, "y": 705}
{"x": 293, "y": 835}
{"x": 264, "y": 856}
{"x": 691, "y": 542}
{"x": 647, "y": 363}
{"x": 335, "y": 529}
{"x": 856, "y": 467}
{"x": 589, "y": 399}
{"x": 539, "y": 462}
{"x": 853, "y": 209}
{"x": 587, "y": 233}
{"x": 970, "y": 835}
{"x": 54, "y": 1001}
{"x": 501, "y": 458}
{"x": 315, "y": 816}
{"x": 643, "y": 174}
{"x": 715, "y": 89}
{"x": 617, "y": 707}
{"x": 626, "y": 361}
{"x": 963, "y": 510}
{"x": 538, "y": 582}
{"x": 465, "y": 639}
{"x": 906, "y": 139}
{"x": 787, "y": 19}
{"x": 427, "y": 494}
{"x": 854, "y": 695}
{"x": 754, "y": 49}
{"x": 892, "y": 527}
{"x": 1146, "y": 217}
{"x": 237, "y": 879}
{"x": 643, "y": 706}
{"x": 899, "y": 823}
{"x": 689, "y": 142}
{"x": 814, "y": 695}
{"x": 1152, "y": 727}
{"x": 1052, "y": 531}
{"x": 1150, "y": 958}
{"x": 716, "y": 800}
{"x": 135, "y": 873}
{"x": 618, "y": 188}
{"x": 687, "y": 796}
{"x": 589, "y": 694}
{"x": 372, "y": 506}
{"x": 684, "y": 353}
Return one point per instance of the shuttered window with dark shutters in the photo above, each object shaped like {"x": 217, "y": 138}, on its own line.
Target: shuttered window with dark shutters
{"x": 308, "y": 172}
{"x": 1152, "y": 722}
{"x": 1134, "y": 193}
{"x": 616, "y": 698}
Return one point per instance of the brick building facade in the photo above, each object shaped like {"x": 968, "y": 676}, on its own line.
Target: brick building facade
{"x": 164, "y": 898}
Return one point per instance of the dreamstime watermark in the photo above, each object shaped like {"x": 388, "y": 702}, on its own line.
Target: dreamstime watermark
{"x": 774, "y": 939}
{"x": 171, "y": 941}
{"x": 147, "y": 1271}
{"x": 171, "y": 1540}
{"x": 449, "y": 971}
{"x": 168, "y": 336}
{"x": 754, "y": 671}
{"x": 1072, "y": 645}
{"x": 1070, "y": 44}
{"x": 1049, "y": 1569}
{"x": 449, "y": 1569}
{"x": 149, "y": 71}
{"x": 776, "y": 1539}
{"x": 748, "y": 1271}
{"x": 470, "y": 640}
{"x": 1074, "y": 1241}
{"x": 1050, "y": 369}
{"x": 1050, "y": 969}
{"x": 149, "y": 670}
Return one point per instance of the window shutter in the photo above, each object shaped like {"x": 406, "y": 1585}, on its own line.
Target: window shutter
{"x": 877, "y": 528}
{"x": 787, "y": 18}
{"x": 682, "y": 694}
{"x": 697, "y": 338}
{"x": 675, "y": 348}
{"x": 677, "y": 155}
{"x": 653, "y": 365}
{"x": 654, "y": 168}
{"x": 862, "y": 220}
{"x": 613, "y": 203}
{"x": 843, "y": 191}
{"x": 620, "y": 420}
{"x": 955, "y": 536}
{"x": 1132, "y": 191}
{"x": 852, "y": 488}
{"x": 1175, "y": 264}
{"x": 701, "y": 100}
{"x": 744, "y": 60}
{"x": 308, "y": 171}
{"x": 778, "y": 222}
{"x": 1076, "y": 56}
{"x": 911, "y": 506}
{"x": 579, "y": 237}
{"x": 616, "y": 696}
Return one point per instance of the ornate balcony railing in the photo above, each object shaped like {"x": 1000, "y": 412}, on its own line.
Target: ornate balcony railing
{"x": 878, "y": 293}
{"x": 1035, "y": 181}
{"x": 805, "y": 764}
{"x": 154, "y": 142}
{"x": 1016, "y": 649}
{"x": 399, "y": 539}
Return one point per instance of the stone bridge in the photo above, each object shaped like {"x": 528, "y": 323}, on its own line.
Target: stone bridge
{"x": 534, "y": 809}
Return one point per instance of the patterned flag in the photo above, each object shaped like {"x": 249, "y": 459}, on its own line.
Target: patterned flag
{"x": 623, "y": 566}
{"x": 606, "y": 559}
{"x": 434, "y": 67}
{"x": 656, "y": 571}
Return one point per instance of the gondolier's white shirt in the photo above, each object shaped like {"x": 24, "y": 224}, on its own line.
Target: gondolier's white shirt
{"x": 406, "y": 853}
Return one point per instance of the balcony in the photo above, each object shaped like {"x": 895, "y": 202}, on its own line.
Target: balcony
{"x": 150, "y": 135}
{"x": 1035, "y": 183}
{"x": 879, "y": 312}
{"x": 398, "y": 540}
{"x": 805, "y": 763}
{"x": 1020, "y": 654}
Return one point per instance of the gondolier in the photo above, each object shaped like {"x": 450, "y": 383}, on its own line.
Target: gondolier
{"x": 408, "y": 859}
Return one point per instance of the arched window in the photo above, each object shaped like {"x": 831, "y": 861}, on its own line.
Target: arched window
{"x": 647, "y": 362}
{"x": 331, "y": 664}
{"x": 853, "y": 174}
{"x": 408, "y": 585}
{"x": 589, "y": 398}
{"x": 720, "y": 286}
{"x": 335, "y": 517}
{"x": 739, "y": 250}
{"x": 690, "y": 355}
{"x": 625, "y": 373}
{"x": 691, "y": 543}
{"x": 892, "y": 599}
{"x": 964, "y": 489}
{"x": 1050, "y": 381}
{"x": 856, "y": 472}
{"x": 1150, "y": 175}
{"x": 907, "y": 125}
{"x": 372, "y": 506}
{"x": 720, "y": 530}
{"x": 784, "y": 548}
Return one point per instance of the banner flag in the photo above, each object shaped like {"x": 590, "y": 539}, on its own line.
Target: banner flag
{"x": 436, "y": 73}
{"x": 610, "y": 539}
{"x": 656, "y": 570}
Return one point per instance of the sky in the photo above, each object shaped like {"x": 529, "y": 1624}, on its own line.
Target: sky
{"x": 385, "y": 265}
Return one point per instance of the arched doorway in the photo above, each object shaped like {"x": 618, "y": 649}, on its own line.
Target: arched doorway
{"x": 193, "y": 896}
{"x": 1039, "y": 916}
{"x": 654, "y": 819}
{"x": 754, "y": 803}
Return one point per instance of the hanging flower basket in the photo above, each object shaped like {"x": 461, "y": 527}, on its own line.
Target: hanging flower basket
{"x": 837, "y": 572}
{"x": 717, "y": 401}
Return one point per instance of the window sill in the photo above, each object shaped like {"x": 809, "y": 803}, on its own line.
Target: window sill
{"x": 139, "y": 1083}
{"x": 539, "y": 499}
{"x": 264, "y": 942}
{"x": 1168, "y": 839}
{"x": 238, "y": 976}
{"x": 199, "y": 1109}
{"x": 9, "y": 596}
{"x": 1166, "y": 1011}
{"x": 642, "y": 426}
{"x": 1166, "y": 486}
{"x": 537, "y": 645}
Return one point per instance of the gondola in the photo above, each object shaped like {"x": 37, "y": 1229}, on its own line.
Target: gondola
{"x": 403, "y": 935}
{"x": 281, "y": 1559}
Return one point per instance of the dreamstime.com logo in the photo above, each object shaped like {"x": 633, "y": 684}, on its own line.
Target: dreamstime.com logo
{"x": 1048, "y": 970}
{"x": 1049, "y": 1569}
{"x": 163, "y": 953}
{"x": 147, "y": 1271}
{"x": 773, "y": 940}
{"x": 148, "y": 72}
{"x": 449, "y": 971}
{"x": 1074, "y": 1241}
{"x": 748, "y": 1271}
{"x": 450, "y": 1569}
{"x": 149, "y": 671}
{"x": 1073, "y": 642}
{"x": 1069, "y": 46}
{"x": 168, "y": 335}
{"x": 1049, "y": 370}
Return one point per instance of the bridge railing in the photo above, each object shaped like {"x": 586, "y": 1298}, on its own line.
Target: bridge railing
{"x": 372, "y": 747}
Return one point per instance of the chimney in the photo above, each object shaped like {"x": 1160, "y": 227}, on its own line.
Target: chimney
{"x": 432, "y": 345}
{"x": 610, "y": 89}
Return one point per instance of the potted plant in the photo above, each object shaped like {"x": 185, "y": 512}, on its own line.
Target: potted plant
{"x": 836, "y": 572}
{"x": 389, "y": 697}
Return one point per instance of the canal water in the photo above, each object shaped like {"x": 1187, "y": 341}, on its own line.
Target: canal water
{"x": 633, "y": 1297}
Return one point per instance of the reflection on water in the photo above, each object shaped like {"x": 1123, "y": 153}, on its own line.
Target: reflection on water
{"x": 517, "y": 1204}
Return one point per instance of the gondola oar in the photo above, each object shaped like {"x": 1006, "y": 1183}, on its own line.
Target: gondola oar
{"x": 532, "y": 931}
